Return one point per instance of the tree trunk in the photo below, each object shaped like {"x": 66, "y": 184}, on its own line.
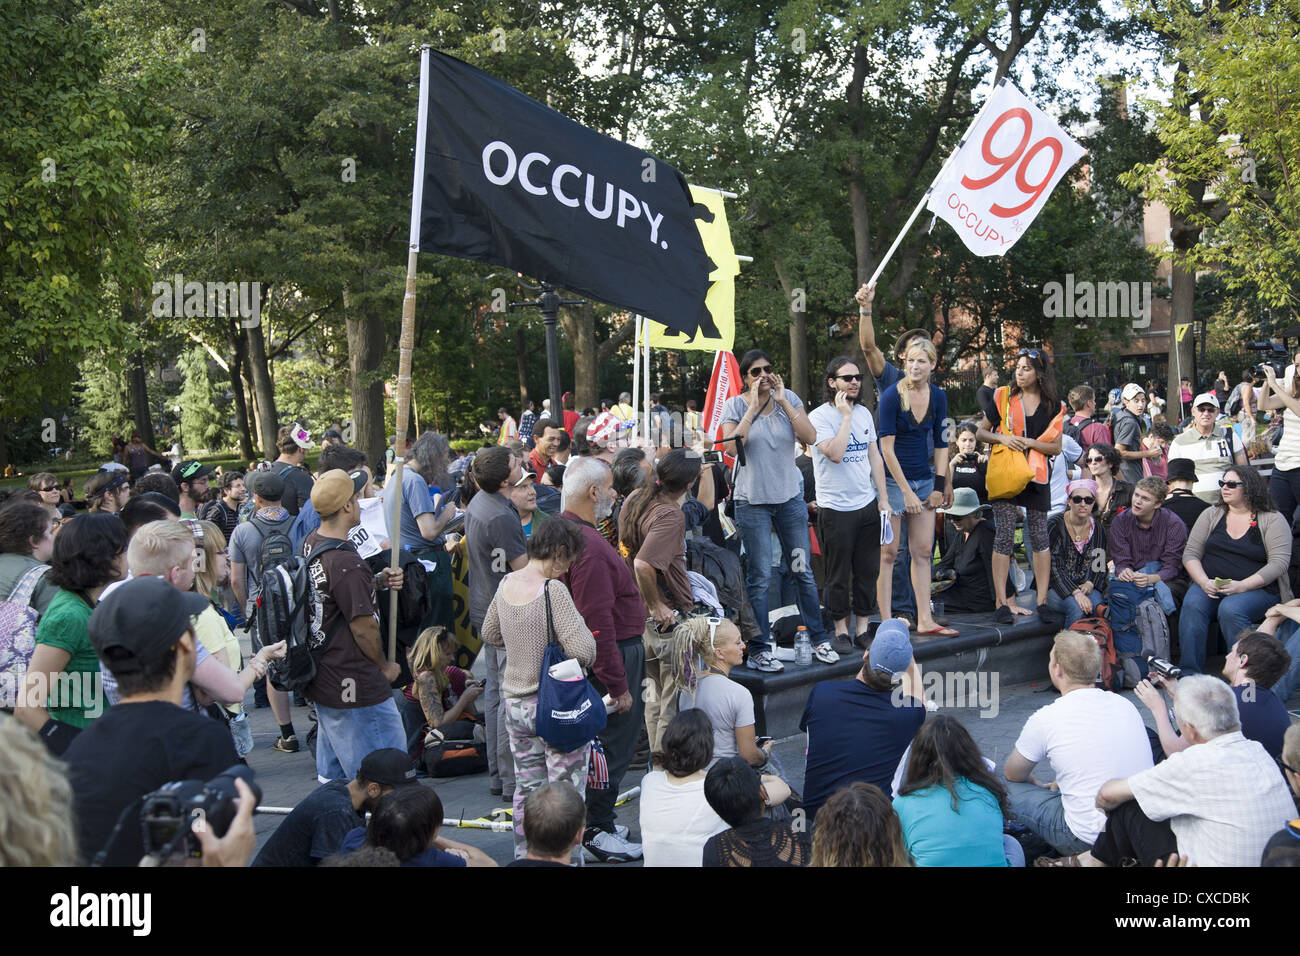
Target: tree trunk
{"x": 138, "y": 383}
{"x": 263, "y": 391}
{"x": 238, "y": 362}
{"x": 1182, "y": 287}
{"x": 521, "y": 360}
{"x": 578, "y": 323}
{"x": 366, "y": 339}
{"x": 798, "y": 335}
{"x": 4, "y": 447}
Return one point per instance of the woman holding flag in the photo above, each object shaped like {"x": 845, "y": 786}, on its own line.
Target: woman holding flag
{"x": 1026, "y": 417}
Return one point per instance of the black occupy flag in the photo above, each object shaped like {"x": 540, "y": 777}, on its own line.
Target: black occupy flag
{"x": 501, "y": 178}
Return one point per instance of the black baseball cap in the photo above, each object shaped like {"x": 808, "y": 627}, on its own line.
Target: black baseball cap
{"x": 389, "y": 767}
{"x": 140, "y": 622}
{"x": 189, "y": 470}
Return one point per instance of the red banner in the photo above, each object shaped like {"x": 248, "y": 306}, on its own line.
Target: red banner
{"x": 723, "y": 384}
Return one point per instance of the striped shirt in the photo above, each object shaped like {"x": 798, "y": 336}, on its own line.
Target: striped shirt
{"x": 1210, "y": 454}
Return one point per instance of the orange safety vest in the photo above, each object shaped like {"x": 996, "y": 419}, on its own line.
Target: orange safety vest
{"x": 1013, "y": 423}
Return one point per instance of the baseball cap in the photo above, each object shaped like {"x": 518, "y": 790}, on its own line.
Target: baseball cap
{"x": 1131, "y": 390}
{"x": 189, "y": 470}
{"x": 390, "y": 767}
{"x": 1206, "y": 398}
{"x": 891, "y": 648}
{"x": 334, "y": 489}
{"x": 140, "y": 622}
{"x": 265, "y": 483}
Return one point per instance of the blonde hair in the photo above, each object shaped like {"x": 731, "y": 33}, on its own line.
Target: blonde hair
{"x": 690, "y": 646}
{"x": 160, "y": 546}
{"x": 205, "y": 571}
{"x": 1078, "y": 656}
{"x": 426, "y": 655}
{"x": 36, "y": 816}
{"x": 905, "y": 383}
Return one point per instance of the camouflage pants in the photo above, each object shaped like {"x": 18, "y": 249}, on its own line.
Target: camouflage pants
{"x": 535, "y": 762}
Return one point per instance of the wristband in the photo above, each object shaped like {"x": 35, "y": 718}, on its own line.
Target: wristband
{"x": 940, "y": 482}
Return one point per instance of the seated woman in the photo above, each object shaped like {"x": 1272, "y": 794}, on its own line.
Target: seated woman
{"x": 406, "y": 822}
{"x": 676, "y": 820}
{"x": 1114, "y": 494}
{"x": 857, "y": 827}
{"x": 1237, "y": 556}
{"x": 968, "y": 558}
{"x": 445, "y": 695}
{"x": 704, "y": 650}
{"x": 1077, "y": 541}
{"x": 737, "y": 795}
{"x": 951, "y": 806}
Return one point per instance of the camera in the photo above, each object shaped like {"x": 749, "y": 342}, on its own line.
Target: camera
{"x": 169, "y": 815}
{"x": 1270, "y": 354}
{"x": 1164, "y": 668}
{"x": 970, "y": 456}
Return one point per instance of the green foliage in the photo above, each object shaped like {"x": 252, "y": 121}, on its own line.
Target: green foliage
{"x": 205, "y": 409}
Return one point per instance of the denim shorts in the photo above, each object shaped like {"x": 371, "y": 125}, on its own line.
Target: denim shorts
{"x": 922, "y": 489}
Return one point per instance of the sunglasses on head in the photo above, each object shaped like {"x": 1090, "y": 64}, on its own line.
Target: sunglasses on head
{"x": 1032, "y": 353}
{"x": 1082, "y": 499}
{"x": 758, "y": 370}
{"x": 1230, "y": 484}
{"x": 849, "y": 378}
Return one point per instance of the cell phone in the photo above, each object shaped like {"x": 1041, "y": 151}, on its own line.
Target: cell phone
{"x": 759, "y": 741}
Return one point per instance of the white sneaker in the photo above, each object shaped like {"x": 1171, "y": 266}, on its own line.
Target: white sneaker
{"x": 600, "y": 846}
{"x": 764, "y": 662}
{"x": 825, "y": 653}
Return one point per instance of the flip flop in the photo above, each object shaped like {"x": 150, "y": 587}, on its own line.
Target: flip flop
{"x": 1065, "y": 861}
{"x": 938, "y": 632}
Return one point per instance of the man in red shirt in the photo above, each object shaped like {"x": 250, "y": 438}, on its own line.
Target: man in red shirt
{"x": 546, "y": 434}
{"x": 605, "y": 594}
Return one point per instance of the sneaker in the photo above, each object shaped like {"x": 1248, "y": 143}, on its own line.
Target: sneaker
{"x": 601, "y": 846}
{"x": 825, "y": 653}
{"x": 765, "y": 662}
{"x": 843, "y": 645}
{"x": 286, "y": 745}
{"x": 621, "y": 831}
{"x": 1002, "y": 615}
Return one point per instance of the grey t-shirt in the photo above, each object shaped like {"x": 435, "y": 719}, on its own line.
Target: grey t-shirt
{"x": 493, "y": 538}
{"x": 1128, "y": 432}
{"x": 13, "y": 567}
{"x": 246, "y": 548}
{"x": 770, "y": 476}
{"x": 727, "y": 705}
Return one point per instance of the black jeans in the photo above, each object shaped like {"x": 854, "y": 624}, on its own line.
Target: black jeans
{"x": 1131, "y": 834}
{"x": 1284, "y": 487}
{"x": 619, "y": 738}
{"x": 850, "y": 543}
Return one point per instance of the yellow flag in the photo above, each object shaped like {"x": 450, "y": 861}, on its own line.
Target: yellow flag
{"x": 721, "y": 297}
{"x": 1181, "y": 331}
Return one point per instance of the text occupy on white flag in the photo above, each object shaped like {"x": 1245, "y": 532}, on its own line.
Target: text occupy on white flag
{"x": 1011, "y": 159}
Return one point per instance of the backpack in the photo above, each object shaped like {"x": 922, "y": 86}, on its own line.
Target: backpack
{"x": 1076, "y": 432}
{"x": 18, "y": 621}
{"x": 289, "y": 609}
{"x": 1153, "y": 628}
{"x": 277, "y": 546}
{"x": 1098, "y": 628}
{"x": 414, "y": 604}
{"x": 1233, "y": 408}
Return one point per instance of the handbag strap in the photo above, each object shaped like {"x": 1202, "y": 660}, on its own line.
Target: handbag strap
{"x": 550, "y": 625}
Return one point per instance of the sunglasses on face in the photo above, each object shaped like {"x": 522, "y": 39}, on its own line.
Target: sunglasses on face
{"x": 1206, "y": 408}
{"x": 1095, "y": 461}
{"x": 1082, "y": 499}
{"x": 849, "y": 378}
{"x": 759, "y": 370}
{"x": 50, "y": 488}
{"x": 1230, "y": 484}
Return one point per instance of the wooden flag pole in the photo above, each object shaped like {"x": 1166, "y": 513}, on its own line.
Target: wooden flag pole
{"x": 407, "y": 346}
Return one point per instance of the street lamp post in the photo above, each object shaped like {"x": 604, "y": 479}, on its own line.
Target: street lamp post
{"x": 549, "y": 303}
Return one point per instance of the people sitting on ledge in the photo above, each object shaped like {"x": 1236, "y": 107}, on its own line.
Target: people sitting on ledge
{"x": 968, "y": 558}
{"x": 1077, "y": 541}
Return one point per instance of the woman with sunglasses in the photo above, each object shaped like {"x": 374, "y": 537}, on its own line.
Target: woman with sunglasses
{"x": 1028, "y": 417}
{"x": 1075, "y": 539}
{"x": 47, "y": 486}
{"x": 1237, "y": 555}
{"x": 768, "y": 418}
{"x": 1114, "y": 494}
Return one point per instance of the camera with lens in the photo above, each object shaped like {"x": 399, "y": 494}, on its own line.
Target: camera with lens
{"x": 170, "y": 815}
{"x": 1164, "y": 668}
{"x": 1271, "y": 354}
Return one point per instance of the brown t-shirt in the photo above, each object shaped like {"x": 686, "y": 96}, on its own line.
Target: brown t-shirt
{"x": 663, "y": 547}
{"x": 345, "y": 677}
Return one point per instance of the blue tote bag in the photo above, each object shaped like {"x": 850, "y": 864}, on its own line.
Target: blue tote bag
{"x": 569, "y": 713}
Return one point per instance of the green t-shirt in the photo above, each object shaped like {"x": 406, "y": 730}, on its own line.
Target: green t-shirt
{"x": 78, "y": 692}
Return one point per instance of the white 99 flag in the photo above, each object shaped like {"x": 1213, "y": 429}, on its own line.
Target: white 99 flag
{"x": 998, "y": 180}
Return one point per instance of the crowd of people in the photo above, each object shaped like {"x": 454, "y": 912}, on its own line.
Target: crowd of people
{"x": 661, "y": 567}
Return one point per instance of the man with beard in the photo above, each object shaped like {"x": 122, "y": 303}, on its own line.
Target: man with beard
{"x": 606, "y": 595}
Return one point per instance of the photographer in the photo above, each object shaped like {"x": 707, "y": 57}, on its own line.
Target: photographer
{"x": 969, "y": 467}
{"x": 143, "y": 635}
{"x": 1284, "y": 482}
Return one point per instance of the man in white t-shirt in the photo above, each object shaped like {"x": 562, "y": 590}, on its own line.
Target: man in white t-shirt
{"x": 849, "y": 476}
{"x": 1219, "y": 801}
{"x": 1089, "y": 735}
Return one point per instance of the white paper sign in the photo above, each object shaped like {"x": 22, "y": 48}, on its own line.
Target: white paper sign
{"x": 371, "y": 535}
{"x": 1012, "y": 158}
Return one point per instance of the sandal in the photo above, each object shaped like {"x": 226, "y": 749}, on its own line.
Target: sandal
{"x": 1067, "y": 861}
{"x": 939, "y": 632}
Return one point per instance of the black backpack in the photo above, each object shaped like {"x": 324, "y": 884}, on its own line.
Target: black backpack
{"x": 414, "y": 604}
{"x": 277, "y": 546}
{"x": 289, "y": 609}
{"x": 1076, "y": 432}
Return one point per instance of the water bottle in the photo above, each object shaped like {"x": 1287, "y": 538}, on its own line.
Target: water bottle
{"x": 802, "y": 647}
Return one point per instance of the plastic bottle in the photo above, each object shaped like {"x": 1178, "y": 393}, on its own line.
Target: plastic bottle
{"x": 802, "y": 647}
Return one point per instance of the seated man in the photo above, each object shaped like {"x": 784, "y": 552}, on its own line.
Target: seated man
{"x": 1217, "y": 802}
{"x": 407, "y": 822}
{"x": 1180, "y": 478}
{"x": 968, "y": 558}
{"x": 1088, "y": 734}
{"x": 555, "y": 818}
{"x": 144, "y": 635}
{"x": 736, "y": 793}
{"x": 1253, "y": 665}
{"x": 857, "y": 729}
{"x": 316, "y": 827}
{"x": 1287, "y": 840}
{"x": 1146, "y": 545}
